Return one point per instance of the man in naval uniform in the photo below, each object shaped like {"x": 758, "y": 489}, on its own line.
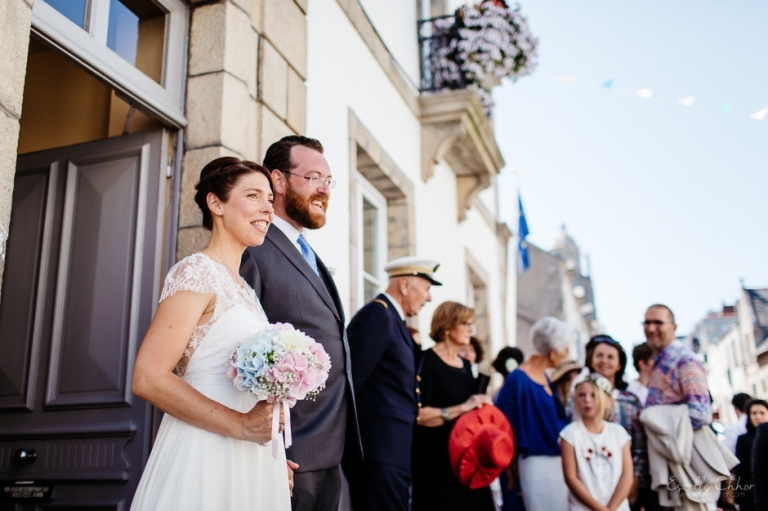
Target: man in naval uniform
{"x": 384, "y": 376}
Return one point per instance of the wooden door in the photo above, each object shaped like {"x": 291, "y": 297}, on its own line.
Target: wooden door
{"x": 82, "y": 276}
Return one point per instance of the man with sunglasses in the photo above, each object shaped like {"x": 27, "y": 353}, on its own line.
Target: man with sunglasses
{"x": 295, "y": 287}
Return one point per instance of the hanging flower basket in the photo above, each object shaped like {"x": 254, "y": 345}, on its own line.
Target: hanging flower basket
{"x": 482, "y": 44}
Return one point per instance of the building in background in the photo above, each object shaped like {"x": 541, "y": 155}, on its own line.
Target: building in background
{"x": 110, "y": 108}
{"x": 753, "y": 326}
{"x": 717, "y": 341}
{"x": 555, "y": 285}
{"x": 734, "y": 346}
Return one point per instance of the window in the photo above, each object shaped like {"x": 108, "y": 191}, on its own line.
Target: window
{"x": 73, "y": 10}
{"x": 372, "y": 233}
{"x": 138, "y": 47}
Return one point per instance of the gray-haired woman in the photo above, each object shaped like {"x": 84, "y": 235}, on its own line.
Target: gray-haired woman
{"x": 537, "y": 416}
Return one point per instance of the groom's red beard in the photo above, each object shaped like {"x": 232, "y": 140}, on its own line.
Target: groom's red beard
{"x": 297, "y": 207}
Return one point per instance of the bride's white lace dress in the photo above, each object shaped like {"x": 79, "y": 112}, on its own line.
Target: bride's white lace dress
{"x": 191, "y": 468}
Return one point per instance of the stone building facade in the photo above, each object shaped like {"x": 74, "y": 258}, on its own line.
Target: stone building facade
{"x": 555, "y": 285}
{"x": 734, "y": 345}
{"x": 110, "y": 108}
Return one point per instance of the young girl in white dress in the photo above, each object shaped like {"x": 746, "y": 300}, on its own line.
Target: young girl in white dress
{"x": 212, "y": 450}
{"x": 597, "y": 463}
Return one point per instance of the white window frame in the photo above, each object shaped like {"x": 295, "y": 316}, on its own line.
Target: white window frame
{"x": 89, "y": 48}
{"x": 365, "y": 190}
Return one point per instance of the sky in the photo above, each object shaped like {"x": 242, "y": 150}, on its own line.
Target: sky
{"x": 669, "y": 201}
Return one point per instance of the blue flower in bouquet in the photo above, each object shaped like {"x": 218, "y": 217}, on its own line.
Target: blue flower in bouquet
{"x": 247, "y": 362}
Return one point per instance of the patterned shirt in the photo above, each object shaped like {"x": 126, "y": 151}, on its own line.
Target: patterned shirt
{"x": 678, "y": 377}
{"x": 626, "y": 412}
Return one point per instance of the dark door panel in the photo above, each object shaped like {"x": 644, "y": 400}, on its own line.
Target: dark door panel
{"x": 17, "y": 315}
{"x": 94, "y": 298}
{"x": 81, "y": 282}
{"x": 89, "y": 453}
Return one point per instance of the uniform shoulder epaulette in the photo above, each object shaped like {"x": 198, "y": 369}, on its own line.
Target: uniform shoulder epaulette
{"x": 385, "y": 304}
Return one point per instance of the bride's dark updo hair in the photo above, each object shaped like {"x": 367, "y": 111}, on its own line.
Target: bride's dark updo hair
{"x": 219, "y": 177}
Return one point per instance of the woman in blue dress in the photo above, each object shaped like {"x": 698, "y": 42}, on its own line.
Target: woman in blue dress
{"x": 537, "y": 416}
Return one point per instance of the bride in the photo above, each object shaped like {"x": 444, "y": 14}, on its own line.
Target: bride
{"x": 212, "y": 449}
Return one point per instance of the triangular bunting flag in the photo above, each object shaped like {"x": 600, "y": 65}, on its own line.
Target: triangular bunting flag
{"x": 686, "y": 101}
{"x": 760, "y": 114}
{"x": 608, "y": 84}
{"x": 644, "y": 93}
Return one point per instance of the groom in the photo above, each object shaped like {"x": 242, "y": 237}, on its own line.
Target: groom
{"x": 295, "y": 287}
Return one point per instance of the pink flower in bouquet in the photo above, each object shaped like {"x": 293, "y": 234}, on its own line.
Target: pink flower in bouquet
{"x": 300, "y": 362}
{"x": 299, "y": 389}
{"x": 322, "y": 357}
{"x": 282, "y": 369}
{"x": 315, "y": 377}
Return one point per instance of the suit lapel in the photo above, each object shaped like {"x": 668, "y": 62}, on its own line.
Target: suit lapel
{"x": 400, "y": 323}
{"x": 293, "y": 255}
{"x": 330, "y": 287}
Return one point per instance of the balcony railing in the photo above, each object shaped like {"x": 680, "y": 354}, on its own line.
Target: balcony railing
{"x": 440, "y": 70}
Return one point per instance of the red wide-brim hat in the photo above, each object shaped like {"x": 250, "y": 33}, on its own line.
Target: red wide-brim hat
{"x": 481, "y": 446}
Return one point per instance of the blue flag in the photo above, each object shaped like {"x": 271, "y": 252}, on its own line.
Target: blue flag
{"x": 522, "y": 232}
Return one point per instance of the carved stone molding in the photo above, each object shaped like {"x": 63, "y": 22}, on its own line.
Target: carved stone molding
{"x": 454, "y": 129}
{"x": 370, "y": 160}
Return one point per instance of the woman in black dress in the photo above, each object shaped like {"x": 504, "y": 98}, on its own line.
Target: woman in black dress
{"x": 757, "y": 413}
{"x": 446, "y": 387}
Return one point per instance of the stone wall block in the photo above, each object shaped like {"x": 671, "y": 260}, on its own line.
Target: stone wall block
{"x": 9, "y": 137}
{"x": 234, "y": 115}
{"x": 257, "y": 15}
{"x": 15, "y": 21}
{"x": 272, "y": 128}
{"x": 193, "y": 162}
{"x": 286, "y": 28}
{"x": 253, "y": 151}
{"x": 191, "y": 240}
{"x": 302, "y": 5}
{"x": 361, "y": 22}
{"x": 204, "y": 115}
{"x": 241, "y": 47}
{"x": 297, "y": 102}
{"x": 344, "y": 4}
{"x": 245, "y": 5}
{"x": 207, "y": 42}
{"x": 273, "y": 79}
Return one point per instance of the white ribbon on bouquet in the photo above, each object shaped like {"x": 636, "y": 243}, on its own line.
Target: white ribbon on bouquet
{"x": 286, "y": 406}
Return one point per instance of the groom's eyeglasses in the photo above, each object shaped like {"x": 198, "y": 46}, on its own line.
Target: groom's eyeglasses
{"x": 315, "y": 181}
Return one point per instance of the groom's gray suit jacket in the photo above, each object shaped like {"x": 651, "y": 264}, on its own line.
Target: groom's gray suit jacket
{"x": 291, "y": 292}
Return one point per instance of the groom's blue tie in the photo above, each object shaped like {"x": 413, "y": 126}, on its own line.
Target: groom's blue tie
{"x": 308, "y": 254}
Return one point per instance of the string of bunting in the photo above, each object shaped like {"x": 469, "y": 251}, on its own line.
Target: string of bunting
{"x": 649, "y": 94}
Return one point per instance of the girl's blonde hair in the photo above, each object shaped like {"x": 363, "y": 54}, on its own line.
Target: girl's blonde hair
{"x": 604, "y": 401}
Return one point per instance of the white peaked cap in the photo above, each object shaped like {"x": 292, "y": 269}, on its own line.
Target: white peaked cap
{"x": 413, "y": 266}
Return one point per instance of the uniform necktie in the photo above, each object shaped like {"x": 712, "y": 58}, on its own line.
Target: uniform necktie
{"x": 308, "y": 254}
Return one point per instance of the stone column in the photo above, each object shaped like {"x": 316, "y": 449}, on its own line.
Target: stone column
{"x": 245, "y": 90}
{"x": 15, "y": 23}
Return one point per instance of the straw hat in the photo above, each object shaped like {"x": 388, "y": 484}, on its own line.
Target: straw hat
{"x": 565, "y": 367}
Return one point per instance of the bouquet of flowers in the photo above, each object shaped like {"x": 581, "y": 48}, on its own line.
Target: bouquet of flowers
{"x": 281, "y": 365}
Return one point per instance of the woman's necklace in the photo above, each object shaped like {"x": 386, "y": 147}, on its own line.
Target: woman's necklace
{"x": 237, "y": 278}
